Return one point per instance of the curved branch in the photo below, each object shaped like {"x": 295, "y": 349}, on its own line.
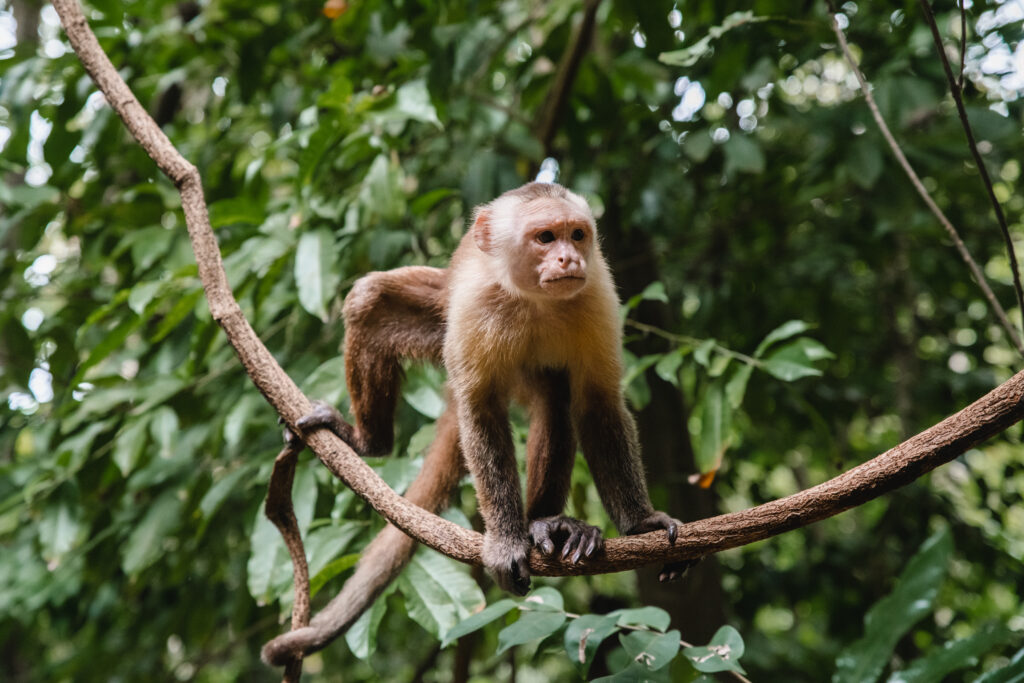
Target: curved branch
{"x": 989, "y": 415}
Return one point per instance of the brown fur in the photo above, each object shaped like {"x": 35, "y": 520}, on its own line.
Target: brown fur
{"x": 501, "y": 337}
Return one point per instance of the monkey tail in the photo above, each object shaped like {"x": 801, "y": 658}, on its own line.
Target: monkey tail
{"x": 384, "y": 558}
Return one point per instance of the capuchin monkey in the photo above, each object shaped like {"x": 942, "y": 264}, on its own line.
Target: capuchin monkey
{"x": 526, "y": 311}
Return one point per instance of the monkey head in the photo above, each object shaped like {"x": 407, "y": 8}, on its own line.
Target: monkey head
{"x": 540, "y": 237}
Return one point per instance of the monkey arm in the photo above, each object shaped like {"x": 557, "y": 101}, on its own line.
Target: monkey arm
{"x": 486, "y": 440}
{"x": 611, "y": 447}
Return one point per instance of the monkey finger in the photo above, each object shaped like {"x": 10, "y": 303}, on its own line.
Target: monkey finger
{"x": 571, "y": 543}
{"x": 541, "y": 537}
{"x": 596, "y": 542}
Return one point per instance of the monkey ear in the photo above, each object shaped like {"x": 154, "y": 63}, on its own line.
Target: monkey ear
{"x": 482, "y": 230}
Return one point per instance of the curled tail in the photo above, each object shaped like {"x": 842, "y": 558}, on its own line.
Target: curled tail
{"x": 384, "y": 558}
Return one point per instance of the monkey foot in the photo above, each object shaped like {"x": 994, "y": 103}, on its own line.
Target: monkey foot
{"x": 507, "y": 560}
{"x": 675, "y": 570}
{"x": 578, "y": 539}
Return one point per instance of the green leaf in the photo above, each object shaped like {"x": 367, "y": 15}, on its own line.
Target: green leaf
{"x": 743, "y": 154}
{"x": 331, "y": 570}
{"x": 59, "y": 529}
{"x": 736, "y": 387}
{"x": 654, "y": 292}
{"x": 129, "y": 444}
{"x": 221, "y": 489}
{"x": 315, "y": 275}
{"x": 424, "y": 390}
{"x": 653, "y": 650}
{"x": 715, "y": 428}
{"x": 144, "y": 545}
{"x": 786, "y": 330}
{"x": 531, "y": 626}
{"x": 362, "y": 636}
{"x": 892, "y": 616}
{"x": 479, "y": 620}
{"x": 650, "y": 617}
{"x": 702, "y": 353}
{"x": 721, "y": 654}
{"x": 865, "y": 162}
{"x": 545, "y": 598}
{"x": 795, "y": 360}
{"x": 413, "y": 100}
{"x": 236, "y": 210}
{"x": 937, "y": 664}
{"x": 164, "y": 428}
{"x": 667, "y": 367}
{"x": 1011, "y": 673}
{"x": 636, "y": 673}
{"x": 698, "y": 145}
{"x": 438, "y": 591}
{"x": 584, "y": 635}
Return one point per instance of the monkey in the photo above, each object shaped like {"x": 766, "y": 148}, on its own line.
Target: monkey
{"x": 566, "y": 368}
{"x": 526, "y": 311}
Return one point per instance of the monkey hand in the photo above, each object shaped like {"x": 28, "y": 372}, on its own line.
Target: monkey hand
{"x": 659, "y": 520}
{"x": 578, "y": 539}
{"x": 507, "y": 559}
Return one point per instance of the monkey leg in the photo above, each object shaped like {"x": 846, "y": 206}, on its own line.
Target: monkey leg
{"x": 389, "y": 316}
{"x": 551, "y": 449}
{"x": 385, "y": 556}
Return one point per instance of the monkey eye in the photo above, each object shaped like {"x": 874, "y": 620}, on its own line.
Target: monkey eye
{"x": 545, "y": 237}
{"x": 578, "y": 235}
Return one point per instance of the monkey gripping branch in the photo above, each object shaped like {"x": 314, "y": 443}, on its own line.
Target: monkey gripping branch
{"x": 989, "y": 415}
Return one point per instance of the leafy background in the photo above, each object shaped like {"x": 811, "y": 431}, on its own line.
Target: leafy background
{"x": 741, "y": 189}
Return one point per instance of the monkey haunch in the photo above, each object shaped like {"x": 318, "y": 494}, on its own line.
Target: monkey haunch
{"x": 526, "y": 311}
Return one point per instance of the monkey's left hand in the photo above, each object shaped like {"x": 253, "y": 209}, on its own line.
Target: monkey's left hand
{"x": 581, "y": 539}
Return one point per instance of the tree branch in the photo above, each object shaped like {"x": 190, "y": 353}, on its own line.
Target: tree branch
{"x": 281, "y": 512}
{"x": 957, "y": 91}
{"x": 989, "y": 415}
{"x": 979, "y": 277}
{"x": 547, "y": 120}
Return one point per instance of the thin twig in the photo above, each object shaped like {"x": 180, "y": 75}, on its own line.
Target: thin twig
{"x": 280, "y": 510}
{"x": 979, "y": 276}
{"x": 957, "y": 91}
{"x": 547, "y": 119}
{"x": 963, "y": 43}
{"x": 691, "y": 341}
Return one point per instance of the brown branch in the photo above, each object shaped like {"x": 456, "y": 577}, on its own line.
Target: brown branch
{"x": 979, "y": 277}
{"x": 565, "y": 75}
{"x": 281, "y": 512}
{"x": 963, "y": 43}
{"x": 957, "y": 92}
{"x": 989, "y": 415}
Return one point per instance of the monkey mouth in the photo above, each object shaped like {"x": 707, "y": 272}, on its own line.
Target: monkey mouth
{"x": 565, "y": 278}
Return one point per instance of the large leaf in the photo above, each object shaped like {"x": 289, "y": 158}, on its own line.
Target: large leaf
{"x": 937, "y": 664}
{"x": 531, "y": 626}
{"x": 721, "y": 654}
{"x": 145, "y": 544}
{"x": 479, "y": 620}
{"x": 438, "y": 592}
{"x": 584, "y": 635}
{"x": 315, "y": 273}
{"x": 892, "y": 616}
{"x": 715, "y": 428}
{"x": 653, "y": 650}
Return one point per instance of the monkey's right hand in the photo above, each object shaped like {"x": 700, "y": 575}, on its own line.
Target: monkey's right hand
{"x": 507, "y": 559}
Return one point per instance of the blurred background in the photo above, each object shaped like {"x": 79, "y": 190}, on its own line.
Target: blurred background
{"x": 792, "y": 309}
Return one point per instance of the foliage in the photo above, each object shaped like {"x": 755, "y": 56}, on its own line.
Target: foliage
{"x": 744, "y": 190}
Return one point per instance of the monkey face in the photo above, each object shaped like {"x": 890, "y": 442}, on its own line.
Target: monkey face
{"x": 555, "y": 239}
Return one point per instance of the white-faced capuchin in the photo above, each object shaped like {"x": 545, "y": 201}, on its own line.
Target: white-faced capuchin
{"x": 526, "y": 311}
